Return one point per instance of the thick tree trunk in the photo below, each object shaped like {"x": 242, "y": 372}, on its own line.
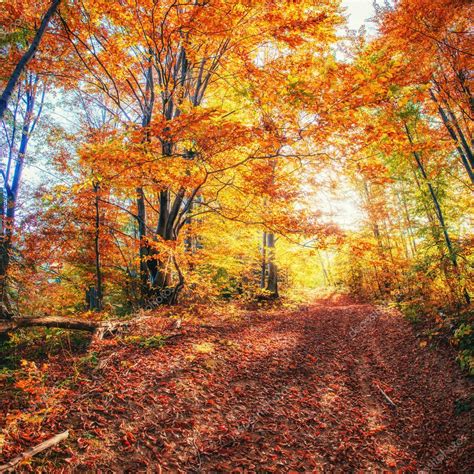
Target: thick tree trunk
{"x": 160, "y": 270}
{"x": 156, "y": 271}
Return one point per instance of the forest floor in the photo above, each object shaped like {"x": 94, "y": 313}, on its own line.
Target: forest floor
{"x": 262, "y": 390}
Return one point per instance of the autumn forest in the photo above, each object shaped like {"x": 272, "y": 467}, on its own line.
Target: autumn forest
{"x": 236, "y": 236}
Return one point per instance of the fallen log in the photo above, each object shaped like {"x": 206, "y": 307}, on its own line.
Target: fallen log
{"x": 102, "y": 327}
{"x": 7, "y": 325}
{"x": 10, "y": 466}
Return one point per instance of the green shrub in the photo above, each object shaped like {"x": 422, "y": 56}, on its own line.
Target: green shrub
{"x": 464, "y": 339}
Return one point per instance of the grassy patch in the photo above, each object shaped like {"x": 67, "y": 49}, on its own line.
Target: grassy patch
{"x": 38, "y": 344}
{"x": 146, "y": 342}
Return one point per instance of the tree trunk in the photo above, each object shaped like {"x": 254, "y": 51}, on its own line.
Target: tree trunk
{"x": 5, "y": 308}
{"x": 272, "y": 282}
{"x": 98, "y": 270}
{"x": 467, "y": 165}
{"x": 263, "y": 271}
{"x": 327, "y": 279}
{"x": 9, "y": 208}
{"x": 143, "y": 246}
{"x": 384, "y": 284}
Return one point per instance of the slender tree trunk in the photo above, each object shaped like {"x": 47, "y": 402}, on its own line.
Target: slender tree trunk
{"x": 25, "y": 59}
{"x": 272, "y": 283}
{"x": 467, "y": 165}
{"x": 143, "y": 249}
{"x": 263, "y": 270}
{"x": 439, "y": 214}
{"x": 328, "y": 269}
{"x": 435, "y": 232}
{"x": 408, "y": 223}
{"x": 465, "y": 144}
{"x": 98, "y": 270}
{"x": 5, "y": 308}
{"x": 190, "y": 242}
{"x": 327, "y": 280}
{"x": 9, "y": 209}
{"x": 377, "y": 279}
{"x": 384, "y": 285}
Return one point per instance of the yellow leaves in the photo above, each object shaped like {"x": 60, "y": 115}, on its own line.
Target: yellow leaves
{"x": 293, "y": 80}
{"x": 403, "y": 102}
{"x": 204, "y": 347}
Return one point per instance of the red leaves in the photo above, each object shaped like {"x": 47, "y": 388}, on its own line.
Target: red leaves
{"x": 128, "y": 439}
{"x": 289, "y": 392}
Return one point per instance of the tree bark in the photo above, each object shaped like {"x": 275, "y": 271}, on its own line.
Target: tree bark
{"x": 143, "y": 247}
{"x": 8, "y": 325}
{"x": 263, "y": 271}
{"x": 98, "y": 270}
{"x": 272, "y": 282}
{"x": 48, "y": 322}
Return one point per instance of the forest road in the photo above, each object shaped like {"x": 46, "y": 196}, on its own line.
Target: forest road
{"x": 336, "y": 386}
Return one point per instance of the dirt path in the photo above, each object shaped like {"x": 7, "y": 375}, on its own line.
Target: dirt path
{"x": 273, "y": 392}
